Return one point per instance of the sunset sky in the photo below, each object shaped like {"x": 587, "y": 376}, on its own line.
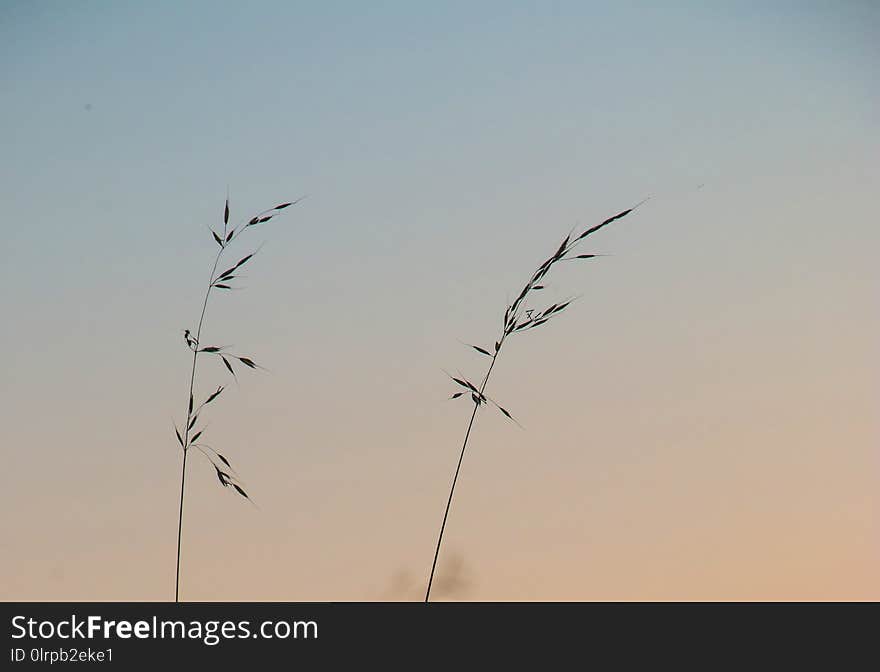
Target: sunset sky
{"x": 701, "y": 424}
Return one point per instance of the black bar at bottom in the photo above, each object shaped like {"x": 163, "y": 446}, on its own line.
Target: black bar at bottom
{"x": 133, "y": 636}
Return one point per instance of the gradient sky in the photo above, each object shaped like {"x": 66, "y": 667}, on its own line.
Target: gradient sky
{"x": 702, "y": 424}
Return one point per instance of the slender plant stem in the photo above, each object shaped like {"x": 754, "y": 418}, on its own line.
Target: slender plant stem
{"x": 189, "y": 412}
{"x": 467, "y": 436}
{"x": 180, "y": 527}
{"x": 194, "y": 343}
{"x": 514, "y": 322}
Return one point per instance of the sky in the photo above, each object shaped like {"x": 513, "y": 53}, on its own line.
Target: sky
{"x": 700, "y": 425}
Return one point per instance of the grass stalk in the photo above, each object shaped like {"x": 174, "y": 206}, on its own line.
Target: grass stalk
{"x": 189, "y": 437}
{"x": 517, "y": 318}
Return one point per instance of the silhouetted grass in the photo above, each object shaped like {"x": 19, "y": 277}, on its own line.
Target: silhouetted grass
{"x": 517, "y": 319}
{"x": 190, "y": 436}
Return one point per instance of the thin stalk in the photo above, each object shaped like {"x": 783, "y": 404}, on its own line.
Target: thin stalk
{"x": 180, "y": 527}
{"x": 516, "y": 318}
{"x": 192, "y": 380}
{"x": 467, "y": 436}
{"x": 190, "y": 432}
